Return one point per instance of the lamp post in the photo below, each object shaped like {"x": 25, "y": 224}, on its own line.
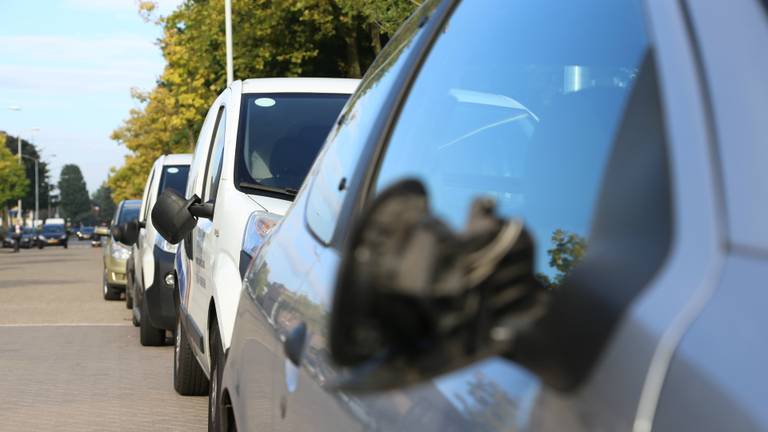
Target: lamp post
{"x": 228, "y": 39}
{"x": 20, "y": 213}
{"x": 19, "y": 210}
{"x": 18, "y": 141}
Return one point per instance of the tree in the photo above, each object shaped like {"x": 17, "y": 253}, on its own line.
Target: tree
{"x": 13, "y": 183}
{"x": 274, "y": 38}
{"x": 103, "y": 199}
{"x": 567, "y": 250}
{"x": 30, "y": 150}
{"x": 75, "y": 203}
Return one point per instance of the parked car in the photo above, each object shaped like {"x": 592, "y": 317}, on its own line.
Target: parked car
{"x": 151, "y": 277}
{"x": 116, "y": 254}
{"x": 54, "y": 235}
{"x": 85, "y": 233}
{"x": 100, "y": 234}
{"x": 532, "y": 216}
{"x": 7, "y": 237}
{"x": 257, "y": 143}
{"x": 29, "y": 239}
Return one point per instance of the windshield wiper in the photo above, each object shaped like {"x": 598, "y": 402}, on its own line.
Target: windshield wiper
{"x": 264, "y": 188}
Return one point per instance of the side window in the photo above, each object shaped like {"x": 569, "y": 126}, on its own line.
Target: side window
{"x": 202, "y": 148}
{"x": 145, "y": 197}
{"x": 521, "y": 102}
{"x": 215, "y": 159}
{"x": 117, "y": 213}
{"x": 338, "y": 160}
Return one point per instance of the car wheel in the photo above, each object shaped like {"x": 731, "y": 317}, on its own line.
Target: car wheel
{"x": 188, "y": 377}
{"x": 149, "y": 335}
{"x": 65, "y": 245}
{"x": 40, "y": 245}
{"x": 135, "y": 312}
{"x": 109, "y": 292}
{"x": 215, "y": 407}
{"x": 129, "y": 291}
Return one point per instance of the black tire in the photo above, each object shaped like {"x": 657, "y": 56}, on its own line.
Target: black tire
{"x": 148, "y": 335}
{"x": 188, "y": 377}
{"x": 65, "y": 245}
{"x": 215, "y": 407}
{"x": 129, "y": 290}
{"x": 135, "y": 312}
{"x": 40, "y": 245}
{"x": 109, "y": 292}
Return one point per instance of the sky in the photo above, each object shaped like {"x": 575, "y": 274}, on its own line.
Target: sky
{"x": 69, "y": 65}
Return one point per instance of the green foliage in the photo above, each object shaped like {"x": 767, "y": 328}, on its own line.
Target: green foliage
{"x": 567, "y": 250}
{"x": 332, "y": 38}
{"x": 13, "y": 182}
{"x": 385, "y": 15}
{"x": 75, "y": 203}
{"x": 103, "y": 199}
{"x": 30, "y": 150}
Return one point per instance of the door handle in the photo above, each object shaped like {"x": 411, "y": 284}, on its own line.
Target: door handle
{"x": 294, "y": 343}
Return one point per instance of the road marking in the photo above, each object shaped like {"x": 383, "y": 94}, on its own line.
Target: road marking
{"x": 68, "y": 325}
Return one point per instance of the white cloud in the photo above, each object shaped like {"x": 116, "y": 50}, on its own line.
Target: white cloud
{"x": 71, "y": 63}
{"x": 74, "y": 49}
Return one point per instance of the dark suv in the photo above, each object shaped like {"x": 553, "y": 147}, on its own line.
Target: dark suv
{"x": 54, "y": 235}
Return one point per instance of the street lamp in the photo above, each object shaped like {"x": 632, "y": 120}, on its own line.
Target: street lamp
{"x": 37, "y": 191}
{"x": 36, "y": 215}
{"x": 228, "y": 39}
{"x": 20, "y": 213}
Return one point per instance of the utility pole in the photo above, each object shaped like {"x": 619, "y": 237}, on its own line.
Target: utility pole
{"x": 37, "y": 189}
{"x": 228, "y": 37}
{"x": 19, "y": 213}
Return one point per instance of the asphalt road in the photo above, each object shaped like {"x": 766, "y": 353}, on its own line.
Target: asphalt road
{"x": 70, "y": 361}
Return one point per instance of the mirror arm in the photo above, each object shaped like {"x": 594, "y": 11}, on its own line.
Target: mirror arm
{"x": 202, "y": 210}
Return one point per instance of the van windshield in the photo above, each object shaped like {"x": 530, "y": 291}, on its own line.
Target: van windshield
{"x": 128, "y": 214}
{"x": 280, "y": 136}
{"x": 174, "y": 177}
{"x": 53, "y": 229}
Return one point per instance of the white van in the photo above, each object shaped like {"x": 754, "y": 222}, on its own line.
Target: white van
{"x": 151, "y": 281}
{"x": 257, "y": 144}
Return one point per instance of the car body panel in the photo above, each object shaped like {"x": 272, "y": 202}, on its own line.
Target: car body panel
{"x": 735, "y": 81}
{"x": 671, "y": 335}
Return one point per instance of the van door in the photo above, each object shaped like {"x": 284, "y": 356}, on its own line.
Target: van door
{"x": 205, "y": 236}
{"x": 137, "y": 255}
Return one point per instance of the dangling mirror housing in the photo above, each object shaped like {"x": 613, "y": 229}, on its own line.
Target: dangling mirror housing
{"x": 174, "y": 217}
{"x": 414, "y": 299}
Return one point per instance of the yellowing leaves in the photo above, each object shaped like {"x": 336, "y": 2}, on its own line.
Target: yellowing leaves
{"x": 321, "y": 38}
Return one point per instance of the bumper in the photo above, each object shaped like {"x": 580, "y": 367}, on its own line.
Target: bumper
{"x": 115, "y": 269}
{"x": 55, "y": 241}
{"x": 159, "y": 296}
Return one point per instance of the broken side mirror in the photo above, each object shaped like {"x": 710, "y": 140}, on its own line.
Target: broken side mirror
{"x": 415, "y": 299}
{"x": 117, "y": 232}
{"x": 131, "y": 232}
{"x": 174, "y": 217}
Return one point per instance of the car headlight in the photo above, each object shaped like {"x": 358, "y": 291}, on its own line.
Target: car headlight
{"x": 164, "y": 245}
{"x": 120, "y": 252}
{"x": 259, "y": 225}
{"x": 41, "y": 237}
